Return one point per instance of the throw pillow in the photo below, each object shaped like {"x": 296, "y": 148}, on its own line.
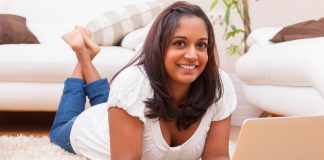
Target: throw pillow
{"x": 110, "y": 27}
{"x": 13, "y": 30}
{"x": 307, "y": 29}
{"x": 132, "y": 39}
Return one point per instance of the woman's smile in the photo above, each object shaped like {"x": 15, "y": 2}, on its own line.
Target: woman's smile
{"x": 188, "y": 66}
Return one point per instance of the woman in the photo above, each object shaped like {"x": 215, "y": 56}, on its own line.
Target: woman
{"x": 168, "y": 103}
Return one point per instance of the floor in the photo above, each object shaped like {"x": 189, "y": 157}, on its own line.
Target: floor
{"x": 39, "y": 123}
{"x": 25, "y": 123}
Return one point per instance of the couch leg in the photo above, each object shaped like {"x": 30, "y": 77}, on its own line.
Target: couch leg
{"x": 265, "y": 114}
{"x": 268, "y": 114}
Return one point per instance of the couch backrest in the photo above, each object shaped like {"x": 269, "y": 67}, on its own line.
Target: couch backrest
{"x": 62, "y": 11}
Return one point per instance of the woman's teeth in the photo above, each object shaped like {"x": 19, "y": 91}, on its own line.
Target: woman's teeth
{"x": 188, "y": 67}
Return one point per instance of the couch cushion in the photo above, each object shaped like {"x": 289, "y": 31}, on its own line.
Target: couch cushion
{"x": 307, "y": 29}
{"x": 261, "y": 36}
{"x": 285, "y": 100}
{"x": 110, "y": 27}
{"x": 294, "y": 63}
{"x": 13, "y": 30}
{"x": 134, "y": 38}
{"x": 54, "y": 63}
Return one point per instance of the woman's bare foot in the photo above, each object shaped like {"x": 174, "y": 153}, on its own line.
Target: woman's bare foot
{"x": 76, "y": 41}
{"x": 93, "y": 48}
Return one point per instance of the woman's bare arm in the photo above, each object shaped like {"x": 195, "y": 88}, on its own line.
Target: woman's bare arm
{"x": 217, "y": 142}
{"x": 126, "y": 134}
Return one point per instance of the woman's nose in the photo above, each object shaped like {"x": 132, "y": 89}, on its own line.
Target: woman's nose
{"x": 191, "y": 54}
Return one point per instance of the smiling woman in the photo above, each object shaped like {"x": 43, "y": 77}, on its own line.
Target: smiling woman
{"x": 170, "y": 102}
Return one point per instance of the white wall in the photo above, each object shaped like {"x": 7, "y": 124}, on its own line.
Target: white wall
{"x": 284, "y": 12}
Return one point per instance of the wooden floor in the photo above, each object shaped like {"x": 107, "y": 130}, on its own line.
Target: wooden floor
{"x": 39, "y": 123}
{"x": 26, "y": 123}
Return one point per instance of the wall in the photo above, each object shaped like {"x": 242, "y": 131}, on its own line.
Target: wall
{"x": 284, "y": 12}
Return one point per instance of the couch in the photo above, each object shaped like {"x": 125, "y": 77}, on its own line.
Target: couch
{"x": 32, "y": 75}
{"x": 284, "y": 78}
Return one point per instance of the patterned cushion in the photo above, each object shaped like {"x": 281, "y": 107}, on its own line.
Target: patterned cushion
{"x": 110, "y": 27}
{"x": 132, "y": 39}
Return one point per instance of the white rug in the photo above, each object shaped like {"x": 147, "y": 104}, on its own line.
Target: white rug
{"x": 40, "y": 148}
{"x": 32, "y": 148}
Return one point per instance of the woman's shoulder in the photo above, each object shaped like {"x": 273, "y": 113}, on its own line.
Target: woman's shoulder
{"x": 129, "y": 90}
{"x": 227, "y": 103}
{"x": 135, "y": 70}
{"x": 226, "y": 80}
{"x": 130, "y": 79}
{"x": 132, "y": 75}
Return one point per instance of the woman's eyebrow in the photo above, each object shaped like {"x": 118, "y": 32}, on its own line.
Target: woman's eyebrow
{"x": 183, "y": 37}
{"x": 203, "y": 39}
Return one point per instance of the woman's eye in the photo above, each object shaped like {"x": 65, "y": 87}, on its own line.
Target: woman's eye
{"x": 202, "y": 45}
{"x": 179, "y": 43}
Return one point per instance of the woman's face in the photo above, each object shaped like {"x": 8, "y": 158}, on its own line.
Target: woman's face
{"x": 186, "y": 56}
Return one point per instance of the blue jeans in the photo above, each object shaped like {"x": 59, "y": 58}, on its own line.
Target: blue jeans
{"x": 72, "y": 104}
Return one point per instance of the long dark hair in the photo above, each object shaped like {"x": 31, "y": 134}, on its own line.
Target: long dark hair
{"x": 204, "y": 91}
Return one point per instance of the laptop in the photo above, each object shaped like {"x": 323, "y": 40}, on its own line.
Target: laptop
{"x": 281, "y": 138}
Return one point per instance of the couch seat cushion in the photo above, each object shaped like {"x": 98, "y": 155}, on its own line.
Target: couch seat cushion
{"x": 54, "y": 63}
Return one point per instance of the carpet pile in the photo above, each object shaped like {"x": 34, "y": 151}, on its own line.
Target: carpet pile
{"x": 35, "y": 148}
{"x": 32, "y": 148}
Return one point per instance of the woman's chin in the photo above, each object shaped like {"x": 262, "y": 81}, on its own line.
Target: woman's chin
{"x": 187, "y": 79}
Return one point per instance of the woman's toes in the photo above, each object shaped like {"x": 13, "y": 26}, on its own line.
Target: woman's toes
{"x": 74, "y": 39}
{"x": 84, "y": 30}
{"x": 91, "y": 45}
{"x": 87, "y": 31}
{"x": 94, "y": 49}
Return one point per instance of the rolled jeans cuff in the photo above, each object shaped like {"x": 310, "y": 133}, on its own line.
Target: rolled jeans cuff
{"x": 97, "y": 91}
{"x": 74, "y": 83}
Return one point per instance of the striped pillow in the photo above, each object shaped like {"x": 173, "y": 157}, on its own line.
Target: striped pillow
{"x": 109, "y": 28}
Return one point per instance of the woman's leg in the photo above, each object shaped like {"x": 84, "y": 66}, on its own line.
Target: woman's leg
{"x": 97, "y": 89}
{"x": 71, "y": 105}
{"x": 73, "y": 98}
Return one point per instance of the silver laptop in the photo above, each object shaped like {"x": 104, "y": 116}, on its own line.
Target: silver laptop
{"x": 281, "y": 138}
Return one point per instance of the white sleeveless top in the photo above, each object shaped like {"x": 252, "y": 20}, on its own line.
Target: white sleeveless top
{"x": 90, "y": 132}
